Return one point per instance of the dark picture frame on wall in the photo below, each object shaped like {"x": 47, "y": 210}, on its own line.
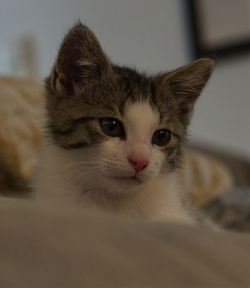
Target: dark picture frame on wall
{"x": 220, "y": 28}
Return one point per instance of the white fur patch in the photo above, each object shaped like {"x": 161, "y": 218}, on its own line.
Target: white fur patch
{"x": 141, "y": 121}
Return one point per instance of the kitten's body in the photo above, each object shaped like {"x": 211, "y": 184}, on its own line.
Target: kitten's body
{"x": 114, "y": 135}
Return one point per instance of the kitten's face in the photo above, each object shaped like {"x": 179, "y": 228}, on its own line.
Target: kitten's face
{"x": 121, "y": 129}
{"x": 134, "y": 150}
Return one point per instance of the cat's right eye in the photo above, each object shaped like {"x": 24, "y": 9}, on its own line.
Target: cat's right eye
{"x": 112, "y": 127}
{"x": 161, "y": 137}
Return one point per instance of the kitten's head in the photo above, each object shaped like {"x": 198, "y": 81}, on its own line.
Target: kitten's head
{"x": 121, "y": 128}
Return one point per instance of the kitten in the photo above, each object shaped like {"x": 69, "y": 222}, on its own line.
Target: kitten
{"x": 114, "y": 136}
{"x": 21, "y": 114}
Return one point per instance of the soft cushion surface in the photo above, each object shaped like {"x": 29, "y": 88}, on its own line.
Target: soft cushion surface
{"x": 48, "y": 245}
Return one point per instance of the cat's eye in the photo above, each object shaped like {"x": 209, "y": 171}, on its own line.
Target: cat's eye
{"x": 112, "y": 127}
{"x": 161, "y": 137}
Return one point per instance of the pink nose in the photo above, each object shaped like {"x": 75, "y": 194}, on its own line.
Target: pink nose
{"x": 138, "y": 164}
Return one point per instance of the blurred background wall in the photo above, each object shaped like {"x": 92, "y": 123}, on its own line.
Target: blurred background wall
{"x": 149, "y": 35}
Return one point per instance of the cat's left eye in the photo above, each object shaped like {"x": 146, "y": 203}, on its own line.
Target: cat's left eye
{"x": 112, "y": 127}
{"x": 161, "y": 137}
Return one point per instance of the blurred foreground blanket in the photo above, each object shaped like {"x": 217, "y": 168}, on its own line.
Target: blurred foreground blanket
{"x": 46, "y": 246}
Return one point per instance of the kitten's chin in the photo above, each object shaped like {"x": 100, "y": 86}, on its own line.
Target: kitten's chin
{"x": 125, "y": 185}
{"x": 116, "y": 185}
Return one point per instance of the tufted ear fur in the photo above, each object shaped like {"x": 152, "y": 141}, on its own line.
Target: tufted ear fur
{"x": 183, "y": 86}
{"x": 80, "y": 61}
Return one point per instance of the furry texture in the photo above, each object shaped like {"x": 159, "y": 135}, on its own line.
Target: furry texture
{"x": 21, "y": 142}
{"x": 83, "y": 161}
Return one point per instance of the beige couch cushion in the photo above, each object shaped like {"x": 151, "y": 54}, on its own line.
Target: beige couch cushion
{"x": 46, "y": 246}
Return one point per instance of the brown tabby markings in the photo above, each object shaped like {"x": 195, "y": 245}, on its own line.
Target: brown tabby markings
{"x": 84, "y": 86}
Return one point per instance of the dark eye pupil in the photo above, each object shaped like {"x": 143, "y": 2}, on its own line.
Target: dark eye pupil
{"x": 161, "y": 137}
{"x": 112, "y": 127}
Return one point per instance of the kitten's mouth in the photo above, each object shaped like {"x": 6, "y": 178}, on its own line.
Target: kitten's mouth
{"x": 128, "y": 179}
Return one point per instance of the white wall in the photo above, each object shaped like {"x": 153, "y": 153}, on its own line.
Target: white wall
{"x": 223, "y": 111}
{"x": 147, "y": 34}
{"x": 142, "y": 33}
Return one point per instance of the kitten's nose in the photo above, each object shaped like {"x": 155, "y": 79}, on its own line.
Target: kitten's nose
{"x": 138, "y": 163}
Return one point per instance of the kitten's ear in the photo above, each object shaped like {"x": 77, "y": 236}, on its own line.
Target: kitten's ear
{"x": 184, "y": 85}
{"x": 80, "y": 61}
